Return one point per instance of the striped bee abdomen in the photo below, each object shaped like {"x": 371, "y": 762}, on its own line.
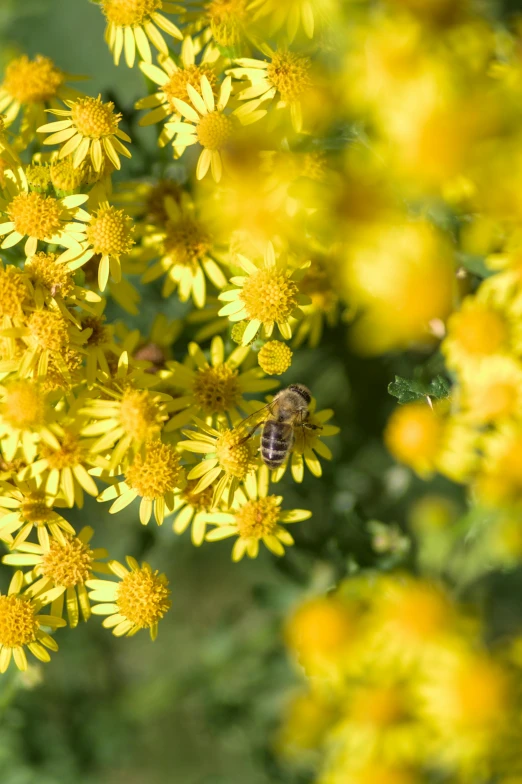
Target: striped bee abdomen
{"x": 276, "y": 441}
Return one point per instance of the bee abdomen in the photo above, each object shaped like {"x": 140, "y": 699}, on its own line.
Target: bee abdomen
{"x": 275, "y": 443}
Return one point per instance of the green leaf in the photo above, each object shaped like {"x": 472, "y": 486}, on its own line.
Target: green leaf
{"x": 407, "y": 390}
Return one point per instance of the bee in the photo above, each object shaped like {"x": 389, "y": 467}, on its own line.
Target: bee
{"x": 287, "y": 411}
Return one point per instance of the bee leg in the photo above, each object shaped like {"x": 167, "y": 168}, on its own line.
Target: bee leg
{"x": 310, "y": 426}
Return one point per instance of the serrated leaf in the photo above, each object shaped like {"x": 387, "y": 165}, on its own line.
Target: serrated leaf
{"x": 408, "y": 390}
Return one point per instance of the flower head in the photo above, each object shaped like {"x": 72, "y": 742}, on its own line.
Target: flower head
{"x": 274, "y": 358}
{"x": 131, "y": 24}
{"x": 26, "y": 506}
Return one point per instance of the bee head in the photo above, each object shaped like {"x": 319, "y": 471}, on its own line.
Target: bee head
{"x": 303, "y": 391}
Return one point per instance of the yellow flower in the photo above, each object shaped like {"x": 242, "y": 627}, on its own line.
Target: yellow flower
{"x": 206, "y": 124}
{"x": 25, "y": 416}
{"x": 63, "y": 565}
{"x": 227, "y": 462}
{"x": 90, "y": 128}
{"x": 491, "y": 390}
{"x": 320, "y": 284}
{"x": 25, "y": 506}
{"x": 52, "y": 284}
{"x": 292, "y": 16}
{"x": 153, "y": 475}
{"x": 191, "y": 507}
{"x": 286, "y": 76}
{"x": 228, "y": 19}
{"x": 131, "y": 24}
{"x": 213, "y": 390}
{"x": 139, "y": 600}
{"x": 414, "y": 434}
{"x": 41, "y": 218}
{"x": 274, "y": 358}
{"x": 267, "y": 295}
{"x": 255, "y": 516}
{"x": 8, "y": 153}
{"x": 499, "y": 479}
{"x": 22, "y": 626}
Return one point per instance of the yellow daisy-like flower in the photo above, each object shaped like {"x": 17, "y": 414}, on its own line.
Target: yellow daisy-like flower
{"x": 65, "y": 565}
{"x": 187, "y": 252}
{"x": 138, "y": 601}
{"x": 25, "y": 416}
{"x": 267, "y": 295}
{"x": 213, "y": 390}
{"x": 255, "y": 516}
{"x": 22, "y": 625}
{"x": 191, "y": 508}
{"x": 26, "y": 506}
{"x": 285, "y": 76}
{"x": 206, "y": 124}
{"x": 318, "y": 283}
{"x": 153, "y": 476}
{"x": 227, "y": 462}
{"x": 227, "y": 19}
{"x": 39, "y": 217}
{"x": 90, "y": 128}
{"x": 52, "y": 285}
{"x": 274, "y": 357}
{"x": 131, "y": 24}
{"x": 491, "y": 390}
{"x": 499, "y": 479}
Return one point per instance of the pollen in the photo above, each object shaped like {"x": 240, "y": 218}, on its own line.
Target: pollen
{"x": 176, "y": 87}
{"x": 18, "y": 622}
{"x": 44, "y": 271}
{"x": 69, "y": 454}
{"x": 34, "y": 81}
{"x": 94, "y": 118}
{"x": 156, "y": 472}
{"x": 110, "y": 232}
{"x": 235, "y": 459}
{"x": 214, "y": 130}
{"x": 68, "y": 564}
{"x": 143, "y": 597}
{"x": 269, "y": 296}
{"x": 141, "y": 416}
{"x": 13, "y": 292}
{"x": 186, "y": 242}
{"x": 65, "y": 177}
{"x": 258, "y": 518}
{"x": 35, "y": 215}
{"x": 216, "y": 389}
{"x": 49, "y": 330}
{"x": 129, "y": 13}
{"x": 38, "y": 177}
{"x": 289, "y": 74}
{"x": 200, "y": 502}
{"x": 274, "y": 358}
{"x": 24, "y": 405}
{"x": 34, "y": 509}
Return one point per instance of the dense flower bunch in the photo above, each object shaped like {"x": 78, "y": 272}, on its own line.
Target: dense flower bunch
{"x": 400, "y": 687}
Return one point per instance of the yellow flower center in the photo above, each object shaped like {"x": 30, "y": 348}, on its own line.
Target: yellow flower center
{"x": 24, "y": 405}
{"x": 126, "y": 13}
{"x": 200, "y": 502}
{"x": 93, "y": 118}
{"x": 48, "y": 329}
{"x": 288, "y": 73}
{"x": 32, "y": 82}
{"x": 176, "y": 87}
{"x": 186, "y": 242}
{"x": 110, "y": 232}
{"x": 479, "y": 332}
{"x": 321, "y": 627}
{"x": 12, "y": 292}
{"x": 420, "y": 612}
{"x": 18, "y": 623}
{"x": 269, "y": 295}
{"x": 35, "y": 215}
{"x": 156, "y": 472}
{"x": 214, "y": 130}
{"x": 141, "y": 416}
{"x": 379, "y": 706}
{"x": 69, "y": 455}
{"x": 236, "y": 460}
{"x": 38, "y": 177}
{"x": 68, "y": 564}
{"x": 226, "y": 18}
{"x": 481, "y": 694}
{"x": 44, "y": 271}
{"x": 258, "y": 518}
{"x": 65, "y": 177}
{"x": 414, "y": 433}
{"x": 142, "y": 597}
{"x": 216, "y": 389}
{"x": 34, "y": 509}
{"x": 274, "y": 357}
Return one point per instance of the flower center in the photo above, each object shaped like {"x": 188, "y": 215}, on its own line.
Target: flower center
{"x": 12, "y": 292}
{"x": 65, "y": 177}
{"x": 216, "y": 389}
{"x": 201, "y": 502}
{"x": 480, "y": 332}
{"x": 214, "y": 130}
{"x": 49, "y": 330}
{"x": 155, "y": 473}
{"x": 68, "y": 456}
{"x": 44, "y": 270}
{"x": 32, "y": 82}
{"x": 186, "y": 242}
{"x": 35, "y": 215}
{"x": 38, "y": 177}
{"x": 68, "y": 564}
{"x": 99, "y": 334}
{"x": 18, "y": 623}
{"x": 236, "y": 460}
{"x": 141, "y": 417}
{"x": 269, "y": 295}
{"x": 176, "y": 87}
{"x": 129, "y": 12}
{"x": 24, "y": 405}
{"x": 381, "y": 707}
{"x": 258, "y": 518}
{"x": 142, "y": 597}
{"x": 110, "y": 232}
{"x": 35, "y": 510}
{"x": 288, "y": 73}
{"x": 93, "y": 118}
{"x": 274, "y": 357}
{"x": 226, "y": 17}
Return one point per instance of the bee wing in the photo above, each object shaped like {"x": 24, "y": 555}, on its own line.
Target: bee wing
{"x": 255, "y": 415}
